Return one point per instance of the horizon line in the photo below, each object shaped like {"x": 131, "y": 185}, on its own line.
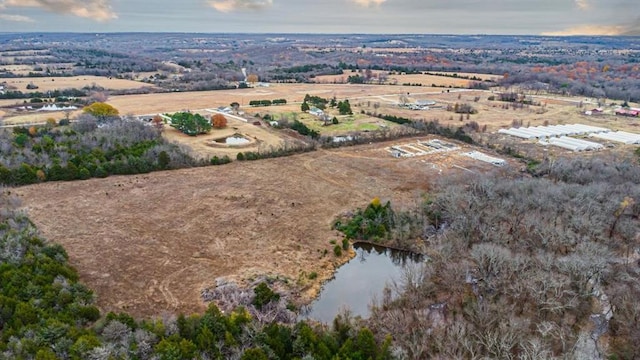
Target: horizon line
{"x": 307, "y": 33}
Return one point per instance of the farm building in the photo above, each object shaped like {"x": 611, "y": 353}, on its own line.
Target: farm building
{"x": 542, "y": 132}
{"x": 628, "y": 112}
{"x": 619, "y": 136}
{"x": 315, "y": 111}
{"x": 575, "y": 144}
{"x": 485, "y": 158}
{"x": 425, "y": 102}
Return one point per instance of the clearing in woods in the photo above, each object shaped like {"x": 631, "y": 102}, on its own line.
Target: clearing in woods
{"x": 151, "y": 243}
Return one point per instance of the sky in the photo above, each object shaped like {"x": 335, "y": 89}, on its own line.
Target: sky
{"x": 517, "y": 17}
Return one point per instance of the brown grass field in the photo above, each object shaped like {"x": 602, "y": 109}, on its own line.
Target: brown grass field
{"x": 77, "y": 82}
{"x": 293, "y": 93}
{"x": 151, "y": 243}
{"x": 14, "y": 118}
{"x": 425, "y": 80}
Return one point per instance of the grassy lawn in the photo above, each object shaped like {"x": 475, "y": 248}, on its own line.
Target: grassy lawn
{"x": 347, "y": 123}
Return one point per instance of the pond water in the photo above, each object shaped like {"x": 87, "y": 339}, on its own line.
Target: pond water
{"x": 359, "y": 281}
{"x": 234, "y": 140}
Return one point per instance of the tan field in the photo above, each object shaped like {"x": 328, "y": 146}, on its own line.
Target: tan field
{"x": 424, "y": 80}
{"x": 37, "y": 117}
{"x": 150, "y": 243}
{"x": 75, "y": 82}
{"x": 293, "y": 93}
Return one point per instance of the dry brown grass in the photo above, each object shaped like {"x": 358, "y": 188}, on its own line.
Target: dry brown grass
{"x": 293, "y": 93}
{"x": 424, "y": 80}
{"x": 76, "y": 82}
{"x": 36, "y": 117}
{"x": 149, "y": 243}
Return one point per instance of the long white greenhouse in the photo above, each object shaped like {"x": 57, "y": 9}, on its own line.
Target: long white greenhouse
{"x": 541, "y": 132}
{"x": 619, "y": 136}
{"x": 575, "y": 144}
{"x": 485, "y": 158}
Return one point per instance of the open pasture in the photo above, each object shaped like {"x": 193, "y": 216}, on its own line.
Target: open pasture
{"x": 151, "y": 243}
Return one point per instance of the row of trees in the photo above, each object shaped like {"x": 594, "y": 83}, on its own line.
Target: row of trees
{"x": 267, "y": 102}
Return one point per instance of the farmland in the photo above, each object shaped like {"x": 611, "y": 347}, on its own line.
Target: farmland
{"x": 399, "y": 79}
{"x": 151, "y": 243}
{"x": 45, "y": 84}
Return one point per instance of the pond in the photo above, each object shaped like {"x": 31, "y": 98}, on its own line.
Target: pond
{"x": 235, "y": 139}
{"x": 359, "y": 281}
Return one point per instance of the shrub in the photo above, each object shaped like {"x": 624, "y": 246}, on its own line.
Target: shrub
{"x": 218, "y": 121}
{"x": 337, "y": 251}
{"x": 163, "y": 160}
{"x": 264, "y": 295}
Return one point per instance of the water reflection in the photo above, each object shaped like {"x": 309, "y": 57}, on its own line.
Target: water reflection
{"x": 359, "y": 281}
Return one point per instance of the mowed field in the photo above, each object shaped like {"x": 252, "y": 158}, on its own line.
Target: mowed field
{"x": 150, "y": 243}
{"x": 75, "y": 82}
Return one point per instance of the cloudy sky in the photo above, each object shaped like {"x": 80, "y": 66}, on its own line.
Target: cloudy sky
{"x": 560, "y": 17}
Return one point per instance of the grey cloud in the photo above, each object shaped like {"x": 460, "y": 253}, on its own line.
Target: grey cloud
{"x": 99, "y": 10}
{"x": 16, "y": 18}
{"x": 234, "y": 5}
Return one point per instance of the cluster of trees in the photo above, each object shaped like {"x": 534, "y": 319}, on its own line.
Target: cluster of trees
{"x": 344, "y": 108}
{"x": 317, "y": 101}
{"x": 374, "y": 223}
{"x": 356, "y": 79}
{"x": 190, "y": 123}
{"x": 84, "y": 150}
{"x": 462, "y": 108}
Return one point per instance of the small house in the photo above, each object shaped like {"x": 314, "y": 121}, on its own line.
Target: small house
{"x": 316, "y": 112}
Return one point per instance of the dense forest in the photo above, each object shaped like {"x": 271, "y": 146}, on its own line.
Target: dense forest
{"x": 535, "y": 267}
